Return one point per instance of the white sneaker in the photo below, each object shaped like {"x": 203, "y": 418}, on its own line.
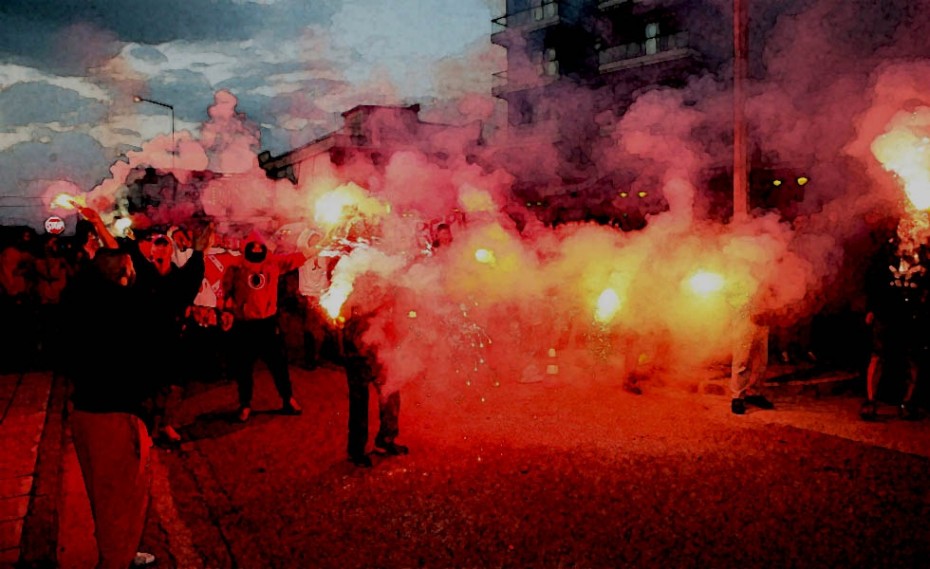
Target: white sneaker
{"x": 143, "y": 559}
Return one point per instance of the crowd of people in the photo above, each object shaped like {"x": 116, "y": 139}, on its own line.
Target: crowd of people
{"x": 83, "y": 305}
{"x": 190, "y": 295}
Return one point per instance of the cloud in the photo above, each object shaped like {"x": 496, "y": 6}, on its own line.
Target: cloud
{"x": 402, "y": 36}
{"x": 72, "y": 67}
{"x": 167, "y": 20}
{"x": 147, "y": 54}
{"x": 28, "y": 167}
{"x": 10, "y": 74}
{"x": 39, "y": 102}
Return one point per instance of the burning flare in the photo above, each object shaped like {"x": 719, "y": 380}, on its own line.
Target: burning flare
{"x": 608, "y": 304}
{"x": 705, "y": 283}
{"x": 123, "y": 226}
{"x": 330, "y": 208}
{"x": 66, "y": 201}
{"x": 907, "y": 154}
{"x": 335, "y": 296}
{"x": 485, "y": 256}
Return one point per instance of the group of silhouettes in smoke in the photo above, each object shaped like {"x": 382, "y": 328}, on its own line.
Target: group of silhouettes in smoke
{"x": 157, "y": 288}
{"x": 149, "y": 291}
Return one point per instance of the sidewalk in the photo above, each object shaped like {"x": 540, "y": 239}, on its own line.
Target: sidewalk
{"x": 24, "y": 400}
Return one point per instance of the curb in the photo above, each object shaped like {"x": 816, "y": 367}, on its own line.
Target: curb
{"x": 38, "y": 549}
{"x": 23, "y": 417}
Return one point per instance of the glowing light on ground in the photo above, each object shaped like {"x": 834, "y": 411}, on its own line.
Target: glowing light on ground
{"x": 608, "y": 304}
{"x": 706, "y": 283}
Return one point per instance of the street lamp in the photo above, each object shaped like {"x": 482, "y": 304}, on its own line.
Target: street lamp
{"x": 139, "y": 99}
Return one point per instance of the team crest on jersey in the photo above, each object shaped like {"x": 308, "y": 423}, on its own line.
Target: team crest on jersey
{"x": 257, "y": 281}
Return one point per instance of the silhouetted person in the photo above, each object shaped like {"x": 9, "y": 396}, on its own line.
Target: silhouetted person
{"x": 363, "y": 371}
{"x": 172, "y": 289}
{"x": 314, "y": 277}
{"x": 897, "y": 288}
{"x": 252, "y": 295}
{"x": 18, "y": 304}
{"x": 111, "y": 386}
{"x": 750, "y": 355}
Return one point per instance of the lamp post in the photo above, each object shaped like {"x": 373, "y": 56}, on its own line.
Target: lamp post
{"x": 740, "y": 68}
{"x": 139, "y": 99}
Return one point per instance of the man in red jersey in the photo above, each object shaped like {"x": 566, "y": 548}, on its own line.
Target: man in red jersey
{"x": 252, "y": 295}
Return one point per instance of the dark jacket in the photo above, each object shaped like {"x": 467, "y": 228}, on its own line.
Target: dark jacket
{"x": 104, "y": 346}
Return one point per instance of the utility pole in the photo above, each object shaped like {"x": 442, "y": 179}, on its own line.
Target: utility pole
{"x": 740, "y": 71}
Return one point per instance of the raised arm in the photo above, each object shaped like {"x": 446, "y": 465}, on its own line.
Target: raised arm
{"x": 91, "y": 215}
{"x": 190, "y": 276}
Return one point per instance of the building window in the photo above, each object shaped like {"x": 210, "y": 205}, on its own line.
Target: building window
{"x": 551, "y": 63}
{"x": 545, "y": 9}
{"x": 652, "y": 38}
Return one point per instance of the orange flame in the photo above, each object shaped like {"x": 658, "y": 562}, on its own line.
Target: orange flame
{"x": 335, "y": 296}
{"x": 123, "y": 226}
{"x": 705, "y": 283}
{"x": 907, "y": 154}
{"x": 331, "y": 208}
{"x": 608, "y": 304}
{"x": 66, "y": 201}
{"x": 485, "y": 256}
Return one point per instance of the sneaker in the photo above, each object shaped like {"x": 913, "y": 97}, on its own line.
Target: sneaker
{"x": 908, "y": 411}
{"x": 143, "y": 559}
{"x": 244, "y": 414}
{"x": 361, "y": 461}
{"x": 291, "y": 407}
{"x": 868, "y": 411}
{"x": 391, "y": 448}
{"x": 738, "y": 406}
{"x": 759, "y": 401}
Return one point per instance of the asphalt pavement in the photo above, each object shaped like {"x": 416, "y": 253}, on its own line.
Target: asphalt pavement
{"x": 563, "y": 472}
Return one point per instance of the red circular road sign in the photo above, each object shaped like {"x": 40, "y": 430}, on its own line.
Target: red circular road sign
{"x": 54, "y": 225}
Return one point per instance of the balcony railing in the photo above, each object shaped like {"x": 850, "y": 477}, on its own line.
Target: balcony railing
{"x": 605, "y": 4}
{"x": 537, "y": 17}
{"x": 652, "y": 50}
{"x": 505, "y": 82}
